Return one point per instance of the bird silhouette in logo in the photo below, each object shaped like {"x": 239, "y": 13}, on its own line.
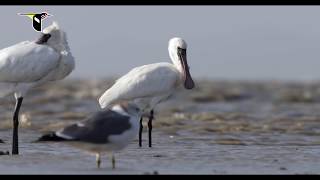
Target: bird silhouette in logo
{"x": 36, "y": 19}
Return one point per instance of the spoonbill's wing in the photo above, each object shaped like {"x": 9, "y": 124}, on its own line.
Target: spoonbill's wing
{"x": 27, "y": 62}
{"x": 144, "y": 81}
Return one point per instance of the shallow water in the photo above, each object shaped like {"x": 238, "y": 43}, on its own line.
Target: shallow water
{"x": 218, "y": 128}
{"x": 170, "y": 155}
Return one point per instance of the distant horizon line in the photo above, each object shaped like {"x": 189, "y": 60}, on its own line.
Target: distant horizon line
{"x": 216, "y": 79}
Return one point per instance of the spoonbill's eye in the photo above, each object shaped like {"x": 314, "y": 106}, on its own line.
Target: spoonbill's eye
{"x": 182, "y": 51}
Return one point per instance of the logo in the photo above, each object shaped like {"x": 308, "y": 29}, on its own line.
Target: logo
{"x": 36, "y": 19}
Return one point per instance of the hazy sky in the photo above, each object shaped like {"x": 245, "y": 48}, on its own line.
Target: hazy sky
{"x": 233, "y": 42}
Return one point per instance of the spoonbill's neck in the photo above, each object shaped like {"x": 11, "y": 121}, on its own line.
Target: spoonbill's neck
{"x": 60, "y": 44}
{"x": 58, "y": 47}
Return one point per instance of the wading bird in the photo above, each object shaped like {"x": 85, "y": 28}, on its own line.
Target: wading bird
{"x": 150, "y": 84}
{"x": 32, "y": 63}
{"x": 105, "y": 131}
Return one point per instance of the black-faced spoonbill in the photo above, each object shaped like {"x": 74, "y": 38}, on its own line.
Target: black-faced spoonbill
{"x": 149, "y": 84}
{"x": 32, "y": 63}
{"x": 105, "y": 131}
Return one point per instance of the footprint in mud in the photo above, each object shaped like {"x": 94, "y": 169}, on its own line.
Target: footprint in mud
{"x": 158, "y": 155}
{"x": 283, "y": 168}
{"x": 153, "y": 173}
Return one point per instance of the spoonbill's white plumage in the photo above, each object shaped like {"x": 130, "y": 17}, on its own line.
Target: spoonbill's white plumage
{"x": 105, "y": 131}
{"x": 150, "y": 84}
{"x": 32, "y": 63}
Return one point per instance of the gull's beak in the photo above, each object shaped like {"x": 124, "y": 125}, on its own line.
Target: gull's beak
{"x": 188, "y": 82}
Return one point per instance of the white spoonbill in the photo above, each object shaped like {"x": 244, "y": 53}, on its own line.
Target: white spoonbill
{"x": 105, "y": 131}
{"x": 32, "y": 63}
{"x": 149, "y": 84}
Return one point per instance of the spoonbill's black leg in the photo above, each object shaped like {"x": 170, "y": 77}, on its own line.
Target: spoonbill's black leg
{"x": 150, "y": 127}
{"x": 140, "y": 132}
{"x": 15, "y": 144}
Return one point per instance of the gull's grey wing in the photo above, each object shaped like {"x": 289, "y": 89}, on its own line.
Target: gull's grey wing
{"x": 97, "y": 128}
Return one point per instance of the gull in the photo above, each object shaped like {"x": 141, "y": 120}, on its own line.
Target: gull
{"x": 105, "y": 131}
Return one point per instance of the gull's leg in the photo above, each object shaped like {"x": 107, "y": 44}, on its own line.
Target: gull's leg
{"x": 15, "y": 139}
{"x": 150, "y": 127}
{"x": 140, "y": 132}
{"x": 98, "y": 159}
{"x": 113, "y": 161}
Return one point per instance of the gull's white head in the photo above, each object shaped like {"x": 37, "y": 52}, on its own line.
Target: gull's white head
{"x": 127, "y": 108}
{"x": 54, "y": 37}
{"x": 178, "y": 54}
